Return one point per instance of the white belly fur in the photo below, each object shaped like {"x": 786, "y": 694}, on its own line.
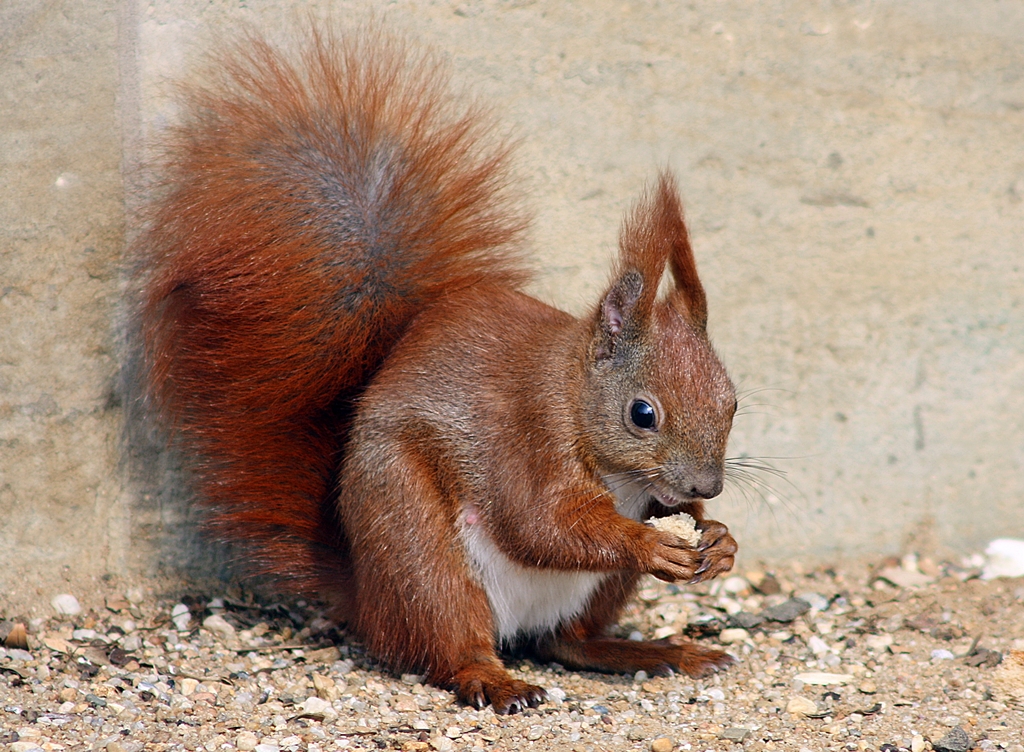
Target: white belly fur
{"x": 527, "y": 600}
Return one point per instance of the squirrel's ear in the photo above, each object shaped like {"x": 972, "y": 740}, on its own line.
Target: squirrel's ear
{"x": 620, "y": 313}
{"x": 687, "y": 294}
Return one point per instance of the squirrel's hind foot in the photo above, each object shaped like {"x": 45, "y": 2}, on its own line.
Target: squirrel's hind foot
{"x": 481, "y": 685}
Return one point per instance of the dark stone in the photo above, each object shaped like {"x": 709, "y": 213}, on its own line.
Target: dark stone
{"x": 118, "y": 657}
{"x": 768, "y": 586}
{"x": 96, "y": 702}
{"x": 704, "y": 625}
{"x": 788, "y": 611}
{"x": 745, "y": 620}
{"x": 984, "y": 657}
{"x": 956, "y": 740}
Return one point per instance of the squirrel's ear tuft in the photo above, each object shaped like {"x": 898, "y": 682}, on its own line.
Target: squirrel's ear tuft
{"x": 687, "y": 294}
{"x": 620, "y": 313}
{"x": 654, "y": 234}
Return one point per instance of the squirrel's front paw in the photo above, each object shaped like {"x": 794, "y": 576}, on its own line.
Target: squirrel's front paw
{"x": 716, "y": 550}
{"x": 672, "y": 559}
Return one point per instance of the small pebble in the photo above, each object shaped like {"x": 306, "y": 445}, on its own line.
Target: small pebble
{"x": 867, "y": 687}
{"x": 817, "y": 601}
{"x": 878, "y": 642}
{"x": 956, "y": 740}
{"x": 733, "y": 635}
{"x": 735, "y": 585}
{"x": 218, "y": 624}
{"x": 181, "y": 617}
{"x": 817, "y": 645}
{"x": 917, "y": 744}
{"x": 315, "y": 706}
{"x": 801, "y": 706}
{"x": 942, "y": 655}
{"x": 745, "y": 620}
{"x": 662, "y": 744}
{"x": 66, "y": 604}
{"x": 556, "y": 695}
{"x": 787, "y": 611}
{"x": 735, "y": 734}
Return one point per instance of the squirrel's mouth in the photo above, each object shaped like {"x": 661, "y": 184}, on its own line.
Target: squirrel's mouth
{"x": 666, "y": 498}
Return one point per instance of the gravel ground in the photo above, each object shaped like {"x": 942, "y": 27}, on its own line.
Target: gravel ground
{"x": 903, "y": 655}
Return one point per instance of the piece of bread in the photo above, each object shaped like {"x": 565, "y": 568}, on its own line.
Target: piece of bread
{"x": 680, "y": 524}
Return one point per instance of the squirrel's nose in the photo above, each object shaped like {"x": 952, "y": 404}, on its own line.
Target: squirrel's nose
{"x": 706, "y": 484}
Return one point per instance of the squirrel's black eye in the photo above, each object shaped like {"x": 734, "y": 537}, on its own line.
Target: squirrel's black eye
{"x": 642, "y": 414}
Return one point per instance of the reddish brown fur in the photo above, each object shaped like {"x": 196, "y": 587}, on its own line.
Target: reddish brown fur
{"x": 331, "y": 326}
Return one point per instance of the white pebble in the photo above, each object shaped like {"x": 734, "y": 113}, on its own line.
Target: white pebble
{"x": 942, "y": 655}
{"x": 801, "y": 706}
{"x": 315, "y": 706}
{"x": 556, "y": 695}
{"x": 181, "y": 617}
{"x": 246, "y": 741}
{"x": 131, "y": 643}
{"x": 817, "y": 645}
{"x": 735, "y": 585}
{"x": 817, "y": 601}
{"x": 733, "y": 635}
{"x": 218, "y": 624}
{"x": 66, "y": 604}
{"x": 878, "y": 642}
{"x": 1005, "y": 559}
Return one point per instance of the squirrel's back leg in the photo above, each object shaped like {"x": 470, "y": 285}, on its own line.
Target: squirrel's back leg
{"x": 583, "y": 643}
{"x": 417, "y": 605}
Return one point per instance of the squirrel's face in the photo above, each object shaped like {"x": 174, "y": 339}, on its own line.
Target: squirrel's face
{"x": 663, "y": 410}
{"x": 659, "y": 404}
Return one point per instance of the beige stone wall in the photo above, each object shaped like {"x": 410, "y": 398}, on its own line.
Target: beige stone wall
{"x": 853, "y": 173}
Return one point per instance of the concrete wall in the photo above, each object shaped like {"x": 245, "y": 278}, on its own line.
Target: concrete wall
{"x": 854, "y": 176}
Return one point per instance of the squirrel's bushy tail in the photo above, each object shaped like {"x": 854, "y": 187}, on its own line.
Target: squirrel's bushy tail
{"x": 308, "y": 207}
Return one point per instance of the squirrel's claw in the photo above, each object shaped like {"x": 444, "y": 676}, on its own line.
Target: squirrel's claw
{"x": 717, "y": 549}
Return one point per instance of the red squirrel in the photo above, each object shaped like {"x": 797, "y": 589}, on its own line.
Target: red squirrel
{"x": 327, "y": 302}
